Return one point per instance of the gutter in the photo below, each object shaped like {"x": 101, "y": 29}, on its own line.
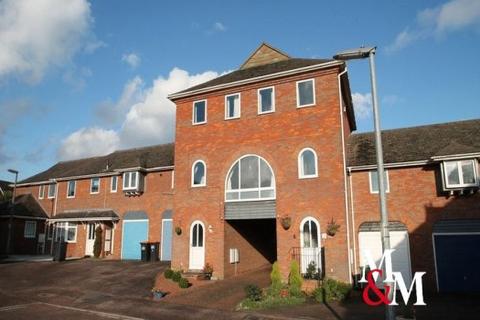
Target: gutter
{"x": 390, "y": 165}
{"x": 456, "y": 156}
{"x": 320, "y": 66}
{"x": 96, "y": 175}
{"x": 83, "y": 219}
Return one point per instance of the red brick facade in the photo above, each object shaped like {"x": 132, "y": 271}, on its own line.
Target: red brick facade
{"x": 156, "y": 198}
{"x": 415, "y": 200}
{"x": 278, "y": 137}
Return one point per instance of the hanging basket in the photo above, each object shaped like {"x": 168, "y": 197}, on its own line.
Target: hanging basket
{"x": 178, "y": 231}
{"x": 332, "y": 228}
{"x": 286, "y": 222}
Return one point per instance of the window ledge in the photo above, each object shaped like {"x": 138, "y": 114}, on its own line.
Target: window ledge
{"x": 307, "y": 106}
{"x": 308, "y": 177}
{"x": 198, "y": 123}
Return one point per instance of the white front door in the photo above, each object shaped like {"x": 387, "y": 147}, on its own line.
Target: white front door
{"x": 310, "y": 244}
{"x": 197, "y": 246}
{"x": 372, "y": 241}
{"x": 90, "y": 239}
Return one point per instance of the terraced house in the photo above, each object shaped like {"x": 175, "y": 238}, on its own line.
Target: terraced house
{"x": 268, "y": 168}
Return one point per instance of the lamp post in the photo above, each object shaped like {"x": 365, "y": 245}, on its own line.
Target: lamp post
{"x": 362, "y": 53}
{"x": 12, "y": 211}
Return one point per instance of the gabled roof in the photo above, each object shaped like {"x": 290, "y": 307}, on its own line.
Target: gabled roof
{"x": 147, "y": 157}
{"x": 416, "y": 143}
{"x": 264, "y": 54}
{"x": 25, "y": 205}
{"x": 4, "y": 185}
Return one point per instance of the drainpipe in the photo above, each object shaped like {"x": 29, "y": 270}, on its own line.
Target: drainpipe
{"x": 353, "y": 220}
{"x": 344, "y": 174}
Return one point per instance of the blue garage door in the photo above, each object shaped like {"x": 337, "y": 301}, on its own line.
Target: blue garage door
{"x": 458, "y": 262}
{"x": 134, "y": 232}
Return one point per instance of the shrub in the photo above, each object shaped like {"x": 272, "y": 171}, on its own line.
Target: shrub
{"x": 168, "y": 273}
{"x": 312, "y": 271}
{"x": 253, "y": 292}
{"x": 208, "y": 269}
{"x": 276, "y": 278}
{"x": 97, "y": 244}
{"x": 332, "y": 290}
{"x": 295, "y": 279}
{"x": 183, "y": 283}
{"x": 176, "y": 276}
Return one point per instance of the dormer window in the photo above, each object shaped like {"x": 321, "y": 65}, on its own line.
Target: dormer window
{"x": 460, "y": 174}
{"x": 130, "y": 180}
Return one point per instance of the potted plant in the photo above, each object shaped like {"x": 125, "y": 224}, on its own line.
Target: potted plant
{"x": 286, "y": 222}
{"x": 158, "y": 294}
{"x": 178, "y": 230}
{"x": 332, "y": 228}
{"x": 208, "y": 271}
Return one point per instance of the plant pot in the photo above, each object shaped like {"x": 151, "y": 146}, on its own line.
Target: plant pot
{"x": 158, "y": 295}
{"x": 178, "y": 231}
{"x": 286, "y": 222}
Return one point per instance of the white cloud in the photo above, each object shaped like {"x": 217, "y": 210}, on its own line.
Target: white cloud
{"x": 88, "y": 142}
{"x": 149, "y": 117}
{"x": 218, "y": 26}
{"x": 113, "y": 112}
{"x": 38, "y": 34}
{"x": 362, "y": 104}
{"x": 436, "y": 22}
{"x": 132, "y": 59}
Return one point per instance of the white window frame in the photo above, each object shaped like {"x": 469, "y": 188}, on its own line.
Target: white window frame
{"x": 239, "y": 106}
{"x": 387, "y": 189}
{"x": 298, "y": 93}
{"x": 111, "y": 184}
{"x": 55, "y": 190}
{"x": 31, "y": 235}
{"x": 460, "y": 174}
{"x": 193, "y": 112}
{"x": 74, "y": 188}
{"x": 91, "y": 185}
{"x": 65, "y": 226}
{"x": 137, "y": 179}
{"x": 259, "y": 189}
{"x": 193, "y": 174}
{"x": 301, "y": 174}
{"x": 41, "y": 191}
{"x": 259, "y": 100}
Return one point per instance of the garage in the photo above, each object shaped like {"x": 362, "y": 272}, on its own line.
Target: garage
{"x": 135, "y": 230}
{"x": 457, "y": 257}
{"x": 370, "y": 239}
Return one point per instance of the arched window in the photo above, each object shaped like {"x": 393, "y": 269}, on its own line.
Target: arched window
{"x": 310, "y": 244}
{"x": 307, "y": 164}
{"x": 199, "y": 174}
{"x": 250, "y": 178}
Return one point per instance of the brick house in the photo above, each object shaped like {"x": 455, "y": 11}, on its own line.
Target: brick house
{"x": 127, "y": 193}
{"x": 267, "y": 166}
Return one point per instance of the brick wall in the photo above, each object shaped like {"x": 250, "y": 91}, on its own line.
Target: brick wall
{"x": 415, "y": 200}
{"x": 277, "y": 137}
{"x": 156, "y": 198}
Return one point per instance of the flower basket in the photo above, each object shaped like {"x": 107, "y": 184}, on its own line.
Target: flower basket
{"x": 286, "y": 222}
{"x": 332, "y": 228}
{"x": 178, "y": 231}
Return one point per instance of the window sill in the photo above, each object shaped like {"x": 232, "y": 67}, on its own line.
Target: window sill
{"x": 266, "y": 112}
{"x": 307, "y": 106}
{"x": 307, "y": 177}
{"x": 198, "y": 123}
{"x": 232, "y": 118}
{"x": 198, "y": 185}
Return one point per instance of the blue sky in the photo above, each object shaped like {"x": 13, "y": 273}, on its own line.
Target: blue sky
{"x": 80, "y": 79}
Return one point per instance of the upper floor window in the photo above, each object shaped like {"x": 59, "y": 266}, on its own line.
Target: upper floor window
{"x": 41, "y": 192}
{"x": 266, "y": 100}
{"x": 199, "y": 112}
{"x": 199, "y": 174}
{"x": 460, "y": 173}
{"x": 52, "y": 187}
{"x": 307, "y": 164}
{"x": 95, "y": 185}
{"x": 30, "y": 230}
{"x": 374, "y": 181}
{"x": 130, "y": 180}
{"x": 250, "y": 178}
{"x": 71, "y": 186}
{"x": 232, "y": 106}
{"x": 305, "y": 93}
{"x": 114, "y": 184}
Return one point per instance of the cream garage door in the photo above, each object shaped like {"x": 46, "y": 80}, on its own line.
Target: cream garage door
{"x": 371, "y": 240}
